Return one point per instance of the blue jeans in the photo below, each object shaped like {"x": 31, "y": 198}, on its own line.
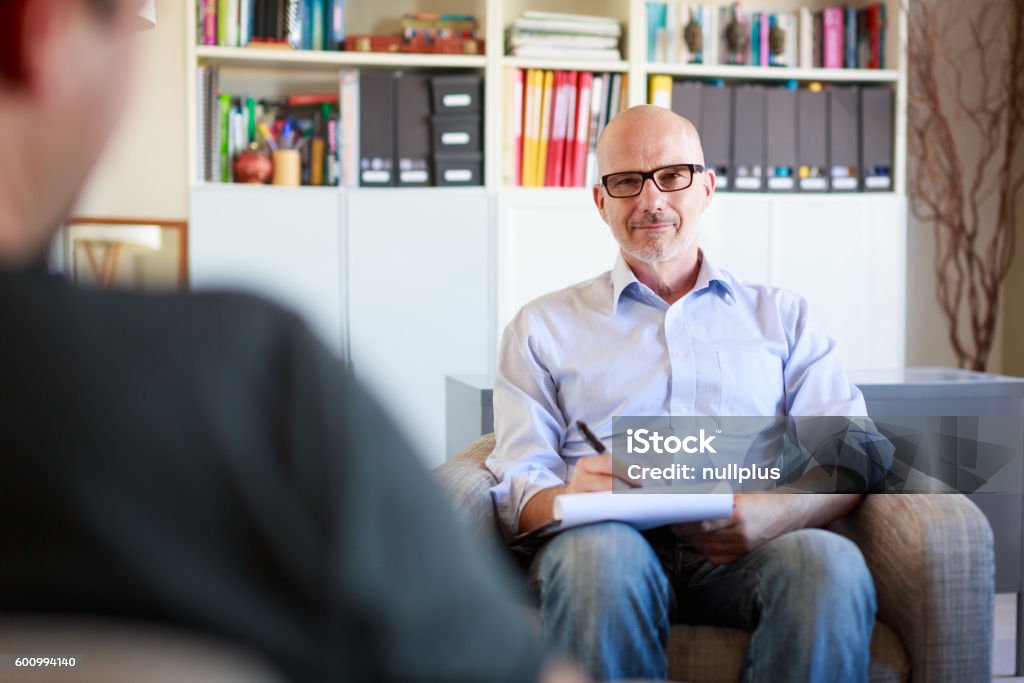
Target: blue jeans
{"x": 609, "y": 593}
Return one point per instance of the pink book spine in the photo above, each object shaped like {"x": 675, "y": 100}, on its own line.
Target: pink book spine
{"x": 209, "y": 22}
{"x": 765, "y": 30}
{"x": 833, "y": 20}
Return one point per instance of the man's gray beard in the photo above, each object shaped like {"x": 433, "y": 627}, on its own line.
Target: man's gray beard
{"x": 659, "y": 250}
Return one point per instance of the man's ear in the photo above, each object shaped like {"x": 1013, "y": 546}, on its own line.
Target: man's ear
{"x": 709, "y": 187}
{"x": 599, "y": 201}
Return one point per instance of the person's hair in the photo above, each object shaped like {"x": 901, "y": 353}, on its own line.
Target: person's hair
{"x": 12, "y": 22}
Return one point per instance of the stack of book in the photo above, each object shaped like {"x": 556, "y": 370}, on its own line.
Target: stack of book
{"x": 553, "y": 122}
{"x": 835, "y": 37}
{"x": 300, "y": 24}
{"x": 547, "y": 35}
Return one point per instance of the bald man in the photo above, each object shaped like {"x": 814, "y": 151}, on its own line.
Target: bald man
{"x": 666, "y": 332}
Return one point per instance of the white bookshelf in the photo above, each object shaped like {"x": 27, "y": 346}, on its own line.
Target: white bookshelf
{"x": 482, "y": 252}
{"x": 365, "y": 16}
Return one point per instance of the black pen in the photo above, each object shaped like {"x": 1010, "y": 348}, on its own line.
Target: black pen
{"x": 589, "y": 436}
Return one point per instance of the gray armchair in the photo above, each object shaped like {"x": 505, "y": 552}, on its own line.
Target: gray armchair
{"x": 930, "y": 555}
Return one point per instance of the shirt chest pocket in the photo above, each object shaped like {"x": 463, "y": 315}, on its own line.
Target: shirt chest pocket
{"x": 752, "y": 383}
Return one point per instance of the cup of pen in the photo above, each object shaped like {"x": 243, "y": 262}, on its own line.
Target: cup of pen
{"x": 287, "y": 161}
{"x": 287, "y": 167}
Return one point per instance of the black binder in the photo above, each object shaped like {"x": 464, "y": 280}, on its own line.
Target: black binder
{"x": 716, "y": 106}
{"x": 376, "y": 130}
{"x": 844, "y": 143}
{"x": 412, "y": 134}
{"x": 876, "y": 111}
{"x": 812, "y": 141}
{"x": 780, "y": 141}
{"x": 749, "y": 150}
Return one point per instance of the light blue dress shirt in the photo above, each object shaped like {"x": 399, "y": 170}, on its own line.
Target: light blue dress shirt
{"x": 612, "y": 347}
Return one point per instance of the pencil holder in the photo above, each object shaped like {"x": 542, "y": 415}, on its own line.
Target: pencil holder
{"x": 287, "y": 167}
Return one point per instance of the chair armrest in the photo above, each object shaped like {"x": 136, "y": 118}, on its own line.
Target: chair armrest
{"x": 931, "y": 557}
{"x": 466, "y": 482}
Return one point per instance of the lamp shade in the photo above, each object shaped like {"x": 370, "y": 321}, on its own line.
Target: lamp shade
{"x": 147, "y": 16}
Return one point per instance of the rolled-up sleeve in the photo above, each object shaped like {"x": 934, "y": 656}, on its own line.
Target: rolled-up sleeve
{"x": 529, "y": 426}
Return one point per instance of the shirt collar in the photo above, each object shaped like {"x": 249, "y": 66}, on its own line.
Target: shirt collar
{"x": 709, "y": 277}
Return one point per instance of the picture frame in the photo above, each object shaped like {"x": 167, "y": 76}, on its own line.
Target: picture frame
{"x": 141, "y": 254}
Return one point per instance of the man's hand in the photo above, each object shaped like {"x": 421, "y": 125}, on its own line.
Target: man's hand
{"x": 758, "y": 518}
{"x": 592, "y": 473}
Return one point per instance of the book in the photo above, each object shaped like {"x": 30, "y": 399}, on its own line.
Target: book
{"x": 512, "y": 147}
{"x": 569, "y": 153}
{"x": 544, "y": 133}
{"x": 559, "y": 121}
{"x": 656, "y": 21}
{"x": 598, "y": 101}
{"x": 555, "y": 22}
{"x": 245, "y": 17}
{"x": 832, "y": 38}
{"x": 850, "y": 38}
{"x": 334, "y": 34}
{"x": 555, "y": 52}
{"x": 659, "y": 91}
{"x": 806, "y": 28}
{"x": 562, "y": 40}
{"x": 584, "y": 88}
{"x": 224, "y": 138}
{"x": 208, "y": 22}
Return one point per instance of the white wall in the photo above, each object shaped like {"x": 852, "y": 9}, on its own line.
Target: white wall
{"x": 142, "y": 173}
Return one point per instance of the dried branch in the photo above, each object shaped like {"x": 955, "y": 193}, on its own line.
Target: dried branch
{"x": 956, "y": 184}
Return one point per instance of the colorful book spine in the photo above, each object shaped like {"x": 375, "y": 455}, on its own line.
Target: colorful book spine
{"x": 531, "y": 125}
{"x": 246, "y": 11}
{"x": 224, "y": 152}
{"x": 335, "y": 24}
{"x": 547, "y": 103}
{"x": 598, "y": 95}
{"x": 764, "y": 43}
{"x": 660, "y": 91}
{"x": 584, "y": 89}
{"x": 850, "y": 39}
{"x": 518, "y": 113}
{"x": 569, "y": 150}
{"x": 833, "y": 38}
{"x": 208, "y": 22}
{"x": 318, "y": 20}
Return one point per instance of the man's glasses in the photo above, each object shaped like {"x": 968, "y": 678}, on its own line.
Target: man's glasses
{"x": 667, "y": 179}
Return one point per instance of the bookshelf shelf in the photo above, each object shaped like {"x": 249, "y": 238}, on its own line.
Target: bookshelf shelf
{"x": 726, "y": 71}
{"x": 616, "y": 66}
{"x": 308, "y": 59}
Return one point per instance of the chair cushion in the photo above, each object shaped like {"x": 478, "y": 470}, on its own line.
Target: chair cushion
{"x": 711, "y": 654}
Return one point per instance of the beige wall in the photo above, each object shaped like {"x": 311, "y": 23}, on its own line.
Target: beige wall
{"x": 143, "y": 172}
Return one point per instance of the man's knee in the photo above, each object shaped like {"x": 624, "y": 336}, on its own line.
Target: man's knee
{"x": 606, "y": 559}
{"x": 819, "y": 566}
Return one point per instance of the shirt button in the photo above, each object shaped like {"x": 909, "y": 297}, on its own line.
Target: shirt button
{"x": 681, "y": 409}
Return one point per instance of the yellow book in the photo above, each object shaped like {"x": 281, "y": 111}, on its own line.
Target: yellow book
{"x": 533, "y": 78}
{"x": 624, "y": 93}
{"x": 659, "y": 91}
{"x": 545, "y": 127}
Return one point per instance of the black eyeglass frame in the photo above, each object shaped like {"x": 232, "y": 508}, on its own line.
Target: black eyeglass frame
{"x": 649, "y": 175}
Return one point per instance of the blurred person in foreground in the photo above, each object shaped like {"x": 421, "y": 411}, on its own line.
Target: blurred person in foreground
{"x": 200, "y": 460}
